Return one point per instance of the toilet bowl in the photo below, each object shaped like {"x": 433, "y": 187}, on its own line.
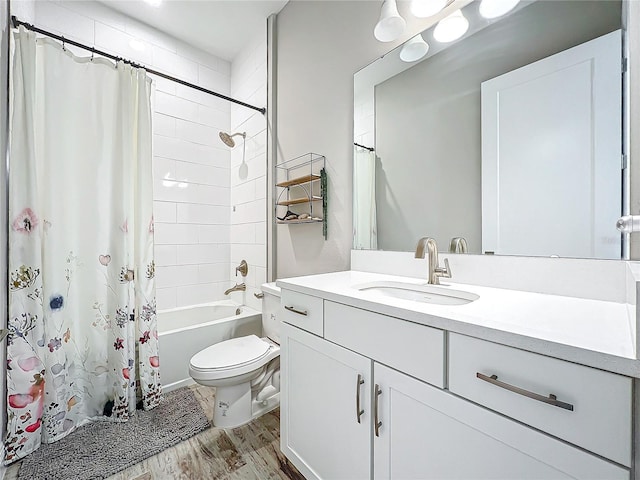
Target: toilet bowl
{"x": 244, "y": 370}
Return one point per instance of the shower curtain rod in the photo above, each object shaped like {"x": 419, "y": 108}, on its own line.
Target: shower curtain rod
{"x": 362, "y": 146}
{"x": 16, "y": 23}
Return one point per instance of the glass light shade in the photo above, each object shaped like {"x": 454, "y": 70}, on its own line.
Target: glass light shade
{"x": 391, "y": 24}
{"x": 451, "y": 28}
{"x": 414, "y": 49}
{"x": 496, "y": 8}
{"x": 427, "y": 8}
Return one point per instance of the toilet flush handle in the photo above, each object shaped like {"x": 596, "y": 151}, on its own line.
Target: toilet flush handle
{"x": 259, "y": 295}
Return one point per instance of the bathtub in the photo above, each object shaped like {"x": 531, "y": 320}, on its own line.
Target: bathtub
{"x": 182, "y": 332}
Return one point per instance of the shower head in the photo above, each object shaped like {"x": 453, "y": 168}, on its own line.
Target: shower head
{"x": 228, "y": 139}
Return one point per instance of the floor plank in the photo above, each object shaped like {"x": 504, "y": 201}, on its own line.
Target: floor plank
{"x": 250, "y": 452}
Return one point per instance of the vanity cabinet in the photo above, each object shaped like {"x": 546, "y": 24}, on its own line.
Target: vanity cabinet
{"x": 590, "y": 408}
{"x": 376, "y": 397}
{"x": 319, "y": 416}
{"x": 429, "y": 434}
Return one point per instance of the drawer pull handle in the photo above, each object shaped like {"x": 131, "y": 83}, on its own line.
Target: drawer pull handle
{"x": 359, "y": 411}
{"x": 299, "y": 312}
{"x": 551, "y": 399}
{"x": 377, "y": 423}
{"x": 294, "y": 310}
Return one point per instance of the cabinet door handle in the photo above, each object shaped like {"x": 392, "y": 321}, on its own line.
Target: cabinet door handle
{"x": 359, "y": 411}
{"x": 294, "y": 310}
{"x": 377, "y": 422}
{"x": 551, "y": 399}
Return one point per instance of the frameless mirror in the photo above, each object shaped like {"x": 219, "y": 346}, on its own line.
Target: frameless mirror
{"x": 509, "y": 138}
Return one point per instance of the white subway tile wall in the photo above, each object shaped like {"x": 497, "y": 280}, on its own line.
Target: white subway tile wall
{"x": 248, "y": 178}
{"x": 209, "y": 207}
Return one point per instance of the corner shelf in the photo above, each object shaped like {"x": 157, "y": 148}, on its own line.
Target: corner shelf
{"x": 303, "y": 183}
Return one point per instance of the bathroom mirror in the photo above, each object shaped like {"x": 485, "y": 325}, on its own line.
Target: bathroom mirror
{"x": 510, "y": 137}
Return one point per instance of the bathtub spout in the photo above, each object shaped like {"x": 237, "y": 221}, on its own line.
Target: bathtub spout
{"x": 238, "y": 287}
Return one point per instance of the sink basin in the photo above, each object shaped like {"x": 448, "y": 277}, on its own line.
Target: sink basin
{"x": 437, "y": 294}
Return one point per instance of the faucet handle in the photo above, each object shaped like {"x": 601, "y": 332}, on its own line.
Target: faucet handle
{"x": 242, "y": 268}
{"x": 445, "y": 271}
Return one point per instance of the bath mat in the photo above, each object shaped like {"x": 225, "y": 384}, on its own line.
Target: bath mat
{"x": 101, "y": 449}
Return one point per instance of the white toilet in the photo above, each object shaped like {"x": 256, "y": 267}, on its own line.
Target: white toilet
{"x": 244, "y": 370}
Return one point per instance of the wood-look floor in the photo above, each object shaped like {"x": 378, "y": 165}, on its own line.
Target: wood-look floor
{"x": 250, "y": 452}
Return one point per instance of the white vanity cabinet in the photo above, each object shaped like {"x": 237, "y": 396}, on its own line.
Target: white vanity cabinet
{"x": 321, "y": 386}
{"x": 429, "y": 434}
{"x": 587, "y": 407}
{"x": 370, "y": 399}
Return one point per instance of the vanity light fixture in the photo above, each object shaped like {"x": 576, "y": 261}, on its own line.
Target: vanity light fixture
{"x": 391, "y": 24}
{"x": 451, "y": 28}
{"x": 427, "y": 8}
{"x": 496, "y": 8}
{"x": 414, "y": 49}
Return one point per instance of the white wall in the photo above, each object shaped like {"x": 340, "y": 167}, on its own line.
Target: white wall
{"x": 191, "y": 165}
{"x": 320, "y": 46}
{"x": 248, "y": 180}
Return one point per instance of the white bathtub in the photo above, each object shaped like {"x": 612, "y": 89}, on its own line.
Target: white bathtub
{"x": 182, "y": 332}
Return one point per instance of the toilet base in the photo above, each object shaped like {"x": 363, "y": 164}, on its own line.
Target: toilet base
{"x": 234, "y": 405}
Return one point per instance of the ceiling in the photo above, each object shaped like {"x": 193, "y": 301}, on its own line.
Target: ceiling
{"x": 219, "y": 27}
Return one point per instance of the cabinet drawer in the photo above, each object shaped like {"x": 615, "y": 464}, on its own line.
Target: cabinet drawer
{"x": 414, "y": 349}
{"x": 303, "y": 311}
{"x": 593, "y": 408}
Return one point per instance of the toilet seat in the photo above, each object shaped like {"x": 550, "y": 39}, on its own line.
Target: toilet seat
{"x": 231, "y": 358}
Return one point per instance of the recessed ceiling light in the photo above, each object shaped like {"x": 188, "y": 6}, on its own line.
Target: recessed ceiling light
{"x": 451, "y": 28}
{"x": 427, "y": 8}
{"x": 153, "y": 3}
{"x": 496, "y": 8}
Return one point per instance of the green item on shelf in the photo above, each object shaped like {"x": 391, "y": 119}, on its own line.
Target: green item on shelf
{"x": 323, "y": 189}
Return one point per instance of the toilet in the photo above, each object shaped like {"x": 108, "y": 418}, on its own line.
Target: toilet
{"x": 244, "y": 370}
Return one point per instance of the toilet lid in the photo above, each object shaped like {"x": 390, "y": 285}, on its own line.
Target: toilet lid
{"x": 230, "y": 353}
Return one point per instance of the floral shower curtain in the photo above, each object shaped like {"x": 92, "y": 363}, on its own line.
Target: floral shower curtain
{"x": 82, "y": 314}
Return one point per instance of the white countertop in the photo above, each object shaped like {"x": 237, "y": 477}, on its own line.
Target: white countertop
{"x": 590, "y": 332}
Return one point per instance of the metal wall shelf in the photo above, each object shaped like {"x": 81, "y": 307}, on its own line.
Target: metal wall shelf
{"x": 302, "y": 184}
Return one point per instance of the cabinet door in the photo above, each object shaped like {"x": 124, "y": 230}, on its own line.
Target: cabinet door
{"x": 428, "y": 433}
{"x": 320, "y": 432}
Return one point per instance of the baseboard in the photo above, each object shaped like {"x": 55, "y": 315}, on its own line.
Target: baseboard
{"x": 185, "y": 382}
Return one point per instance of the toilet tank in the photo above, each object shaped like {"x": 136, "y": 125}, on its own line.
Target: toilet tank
{"x": 270, "y": 311}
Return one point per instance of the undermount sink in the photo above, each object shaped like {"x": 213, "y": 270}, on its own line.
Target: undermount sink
{"x": 437, "y": 294}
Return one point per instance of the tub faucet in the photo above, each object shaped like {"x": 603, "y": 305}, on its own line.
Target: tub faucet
{"x": 435, "y": 272}
{"x": 238, "y": 287}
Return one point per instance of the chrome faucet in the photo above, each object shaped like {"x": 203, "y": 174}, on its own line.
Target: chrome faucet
{"x": 458, "y": 245}
{"x": 435, "y": 272}
{"x": 238, "y": 287}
